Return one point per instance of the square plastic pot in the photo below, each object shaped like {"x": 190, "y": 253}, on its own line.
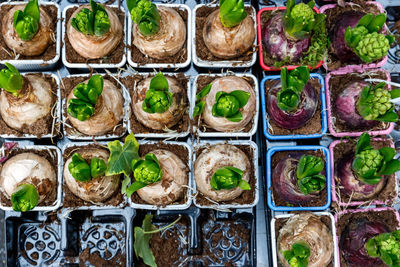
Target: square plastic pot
{"x": 170, "y": 65}
{"x": 260, "y": 42}
{"x": 335, "y": 198}
{"x": 270, "y": 201}
{"x": 331, "y": 127}
{"x": 376, "y": 65}
{"x": 86, "y": 66}
{"x": 254, "y": 161}
{"x": 222, "y": 63}
{"x": 274, "y": 238}
{"x": 214, "y": 133}
{"x": 270, "y": 136}
{"x": 38, "y": 64}
{"x": 58, "y": 170}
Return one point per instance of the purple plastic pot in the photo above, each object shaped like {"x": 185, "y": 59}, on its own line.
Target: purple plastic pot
{"x": 337, "y": 215}
{"x": 331, "y": 123}
{"x": 333, "y": 183}
{"x": 378, "y": 64}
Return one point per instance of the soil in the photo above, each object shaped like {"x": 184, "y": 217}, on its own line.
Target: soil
{"x": 42, "y": 126}
{"x": 331, "y": 16}
{"x": 313, "y": 126}
{"x": 180, "y": 57}
{"x": 315, "y": 202}
{"x": 114, "y": 57}
{"x": 52, "y": 196}
{"x": 247, "y": 197}
{"x": 179, "y": 150}
{"x": 135, "y": 126}
{"x": 386, "y": 217}
{"x": 388, "y": 193}
{"x": 280, "y": 222}
{"x": 72, "y": 201}
{"x": 48, "y": 54}
{"x": 204, "y": 80}
{"x": 201, "y": 48}
{"x": 67, "y": 85}
{"x": 96, "y": 260}
{"x": 337, "y": 84}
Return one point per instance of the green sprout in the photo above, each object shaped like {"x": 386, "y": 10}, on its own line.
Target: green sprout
{"x": 26, "y": 23}
{"x": 292, "y": 86}
{"x": 385, "y": 246}
{"x": 142, "y": 239}
{"x": 231, "y": 12}
{"x": 25, "y": 198}
{"x": 371, "y": 164}
{"x": 298, "y": 255}
{"x": 309, "y": 177}
{"x": 228, "y": 104}
{"x": 82, "y": 171}
{"x": 83, "y": 106}
{"x": 374, "y": 103}
{"x": 200, "y": 104}
{"x": 228, "y": 178}
{"x": 92, "y": 22}
{"x": 158, "y": 99}
{"x": 11, "y": 80}
{"x": 365, "y": 39}
{"x": 144, "y": 14}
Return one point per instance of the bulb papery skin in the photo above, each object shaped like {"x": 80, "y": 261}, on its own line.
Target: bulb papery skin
{"x": 34, "y": 104}
{"x": 92, "y": 46}
{"x": 167, "y": 41}
{"x": 285, "y": 182}
{"x": 28, "y": 168}
{"x": 160, "y": 121}
{"x": 227, "y": 85}
{"x": 310, "y": 229}
{"x": 98, "y": 189}
{"x": 292, "y": 119}
{"x": 213, "y": 158}
{"x": 34, "y": 47}
{"x": 346, "y": 107}
{"x": 278, "y": 44}
{"x": 353, "y": 239}
{"x": 171, "y": 187}
{"x": 228, "y": 43}
{"x": 109, "y": 111}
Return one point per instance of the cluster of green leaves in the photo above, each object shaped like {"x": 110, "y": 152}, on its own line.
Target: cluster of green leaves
{"x": 142, "y": 239}
{"x": 82, "y": 171}
{"x": 365, "y": 40}
{"x": 200, "y": 103}
{"x": 371, "y": 164}
{"x": 228, "y": 178}
{"x": 374, "y": 103}
{"x": 292, "y": 85}
{"x": 385, "y": 246}
{"x": 92, "y": 22}
{"x": 146, "y": 172}
{"x": 24, "y": 198}
{"x": 309, "y": 177}
{"x": 298, "y": 255}
{"x": 158, "y": 99}
{"x": 144, "y": 14}
{"x": 83, "y": 106}
{"x": 26, "y": 23}
{"x": 227, "y": 105}
{"x": 11, "y": 80}
{"x": 300, "y": 20}
{"x": 231, "y": 12}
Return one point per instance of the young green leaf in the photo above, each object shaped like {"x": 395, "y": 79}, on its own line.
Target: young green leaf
{"x": 92, "y": 22}
{"x": 298, "y": 255}
{"x": 26, "y": 23}
{"x": 158, "y": 99}
{"x": 228, "y": 178}
{"x": 11, "y": 80}
{"x": 79, "y": 168}
{"x": 199, "y": 108}
{"x": 144, "y": 14}
{"x": 228, "y": 104}
{"x": 385, "y": 246}
{"x": 25, "y": 198}
{"x": 231, "y": 12}
{"x": 309, "y": 177}
{"x": 205, "y": 91}
{"x": 97, "y": 167}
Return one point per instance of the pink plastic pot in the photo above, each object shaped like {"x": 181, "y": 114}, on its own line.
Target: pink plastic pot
{"x": 363, "y": 66}
{"x": 331, "y": 127}
{"x": 337, "y": 215}
{"x": 260, "y": 47}
{"x": 333, "y": 182}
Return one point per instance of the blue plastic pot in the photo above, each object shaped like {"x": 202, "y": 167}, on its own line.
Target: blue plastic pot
{"x": 270, "y": 201}
{"x": 324, "y": 124}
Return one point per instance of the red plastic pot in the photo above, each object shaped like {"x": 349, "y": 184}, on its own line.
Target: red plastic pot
{"x": 260, "y": 47}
